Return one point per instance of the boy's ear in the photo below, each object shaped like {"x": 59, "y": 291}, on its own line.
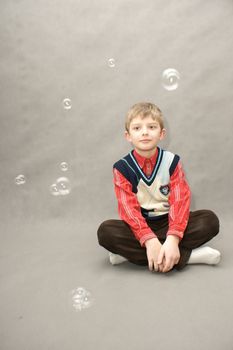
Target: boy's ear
{"x": 162, "y": 134}
{"x": 127, "y": 136}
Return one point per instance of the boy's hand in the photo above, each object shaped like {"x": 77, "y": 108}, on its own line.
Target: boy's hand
{"x": 153, "y": 247}
{"x": 169, "y": 254}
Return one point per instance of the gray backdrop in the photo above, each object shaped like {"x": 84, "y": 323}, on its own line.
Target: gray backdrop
{"x": 52, "y": 50}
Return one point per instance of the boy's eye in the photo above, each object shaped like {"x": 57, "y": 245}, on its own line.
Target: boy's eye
{"x": 153, "y": 126}
{"x": 136, "y": 128}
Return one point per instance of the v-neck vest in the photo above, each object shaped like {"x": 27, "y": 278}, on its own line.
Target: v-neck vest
{"x": 152, "y": 191}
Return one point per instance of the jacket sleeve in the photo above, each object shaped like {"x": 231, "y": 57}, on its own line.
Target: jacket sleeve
{"x": 179, "y": 200}
{"x": 129, "y": 208}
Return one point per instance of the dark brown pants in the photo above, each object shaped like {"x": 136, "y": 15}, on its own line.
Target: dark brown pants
{"x": 117, "y": 237}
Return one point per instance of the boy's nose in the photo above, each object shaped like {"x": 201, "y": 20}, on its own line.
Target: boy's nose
{"x": 144, "y": 131}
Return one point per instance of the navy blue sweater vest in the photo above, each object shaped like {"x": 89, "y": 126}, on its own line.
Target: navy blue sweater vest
{"x": 152, "y": 191}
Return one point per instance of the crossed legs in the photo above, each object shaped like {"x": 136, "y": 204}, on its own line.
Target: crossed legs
{"x": 117, "y": 237}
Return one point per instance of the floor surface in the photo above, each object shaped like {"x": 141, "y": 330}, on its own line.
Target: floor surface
{"x": 132, "y": 308}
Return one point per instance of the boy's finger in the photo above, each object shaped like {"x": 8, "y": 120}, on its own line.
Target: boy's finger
{"x": 160, "y": 257}
{"x": 168, "y": 267}
{"x": 161, "y": 266}
{"x": 156, "y": 267}
{"x": 150, "y": 265}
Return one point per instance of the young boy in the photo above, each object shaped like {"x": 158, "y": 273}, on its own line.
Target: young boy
{"x": 157, "y": 227}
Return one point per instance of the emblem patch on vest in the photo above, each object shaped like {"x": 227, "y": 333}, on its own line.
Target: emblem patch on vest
{"x": 164, "y": 189}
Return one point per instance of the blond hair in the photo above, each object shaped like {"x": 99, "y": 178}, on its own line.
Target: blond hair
{"x": 144, "y": 109}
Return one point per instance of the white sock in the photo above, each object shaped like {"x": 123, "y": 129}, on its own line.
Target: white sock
{"x": 116, "y": 259}
{"x": 204, "y": 255}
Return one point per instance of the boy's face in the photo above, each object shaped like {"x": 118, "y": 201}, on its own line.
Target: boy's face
{"x": 144, "y": 133}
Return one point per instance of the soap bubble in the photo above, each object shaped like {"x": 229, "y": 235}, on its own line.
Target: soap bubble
{"x": 111, "y": 62}
{"x": 67, "y": 103}
{"x": 20, "y": 180}
{"x": 54, "y": 190}
{"x": 64, "y": 166}
{"x": 81, "y": 298}
{"x": 63, "y": 185}
{"x": 87, "y": 300}
{"x": 170, "y": 79}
